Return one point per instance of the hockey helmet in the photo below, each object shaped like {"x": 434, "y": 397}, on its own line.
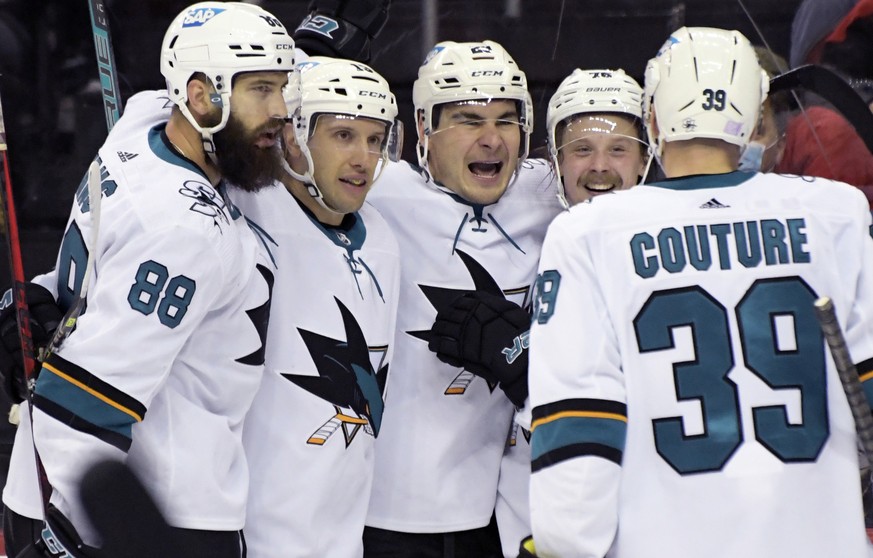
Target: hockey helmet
{"x": 221, "y": 40}
{"x": 322, "y": 85}
{"x": 483, "y": 71}
{"x": 589, "y": 92}
{"x": 704, "y": 83}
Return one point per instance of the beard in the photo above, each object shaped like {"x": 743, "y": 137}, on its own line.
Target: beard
{"x": 241, "y": 162}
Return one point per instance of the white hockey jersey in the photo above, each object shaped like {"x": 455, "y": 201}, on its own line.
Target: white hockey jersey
{"x": 684, "y": 401}
{"x": 310, "y": 434}
{"x": 21, "y": 492}
{"x": 165, "y": 361}
{"x": 439, "y": 453}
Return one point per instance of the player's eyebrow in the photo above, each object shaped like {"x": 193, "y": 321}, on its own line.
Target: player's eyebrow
{"x": 464, "y": 115}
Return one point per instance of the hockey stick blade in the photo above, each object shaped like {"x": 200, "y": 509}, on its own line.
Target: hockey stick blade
{"x": 858, "y": 403}
{"x": 834, "y": 90}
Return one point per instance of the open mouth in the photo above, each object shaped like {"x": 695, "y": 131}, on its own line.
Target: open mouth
{"x": 599, "y": 187}
{"x": 600, "y": 182}
{"x": 486, "y": 169}
{"x": 267, "y": 139}
{"x": 357, "y": 182}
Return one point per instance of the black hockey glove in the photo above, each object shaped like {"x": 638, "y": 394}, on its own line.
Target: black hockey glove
{"x": 45, "y": 316}
{"x": 487, "y": 335}
{"x": 341, "y": 28}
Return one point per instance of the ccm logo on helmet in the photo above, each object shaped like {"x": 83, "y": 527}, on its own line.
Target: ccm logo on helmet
{"x": 374, "y": 94}
{"x": 284, "y": 46}
{"x": 200, "y": 16}
{"x": 486, "y": 73}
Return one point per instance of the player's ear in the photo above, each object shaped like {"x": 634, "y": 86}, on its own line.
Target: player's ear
{"x": 293, "y": 154}
{"x": 199, "y": 102}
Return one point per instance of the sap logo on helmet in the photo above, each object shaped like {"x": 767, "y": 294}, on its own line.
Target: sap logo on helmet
{"x": 198, "y": 17}
{"x": 486, "y": 73}
{"x": 305, "y": 66}
{"x": 481, "y": 49}
{"x": 374, "y": 94}
{"x": 436, "y": 50}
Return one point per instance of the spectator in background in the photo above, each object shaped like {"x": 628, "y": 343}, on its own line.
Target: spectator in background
{"x": 768, "y": 142}
{"x": 819, "y": 141}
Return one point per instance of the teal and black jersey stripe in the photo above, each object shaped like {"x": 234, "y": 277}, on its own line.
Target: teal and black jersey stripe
{"x": 79, "y": 399}
{"x": 865, "y": 374}
{"x": 577, "y": 427}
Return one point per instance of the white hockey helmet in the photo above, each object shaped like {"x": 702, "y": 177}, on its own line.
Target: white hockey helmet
{"x": 588, "y": 92}
{"x": 322, "y": 85}
{"x": 483, "y": 71}
{"x": 221, "y": 40}
{"x": 704, "y": 83}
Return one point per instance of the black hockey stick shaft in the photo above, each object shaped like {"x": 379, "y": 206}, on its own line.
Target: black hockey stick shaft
{"x": 858, "y": 403}
{"x": 105, "y": 61}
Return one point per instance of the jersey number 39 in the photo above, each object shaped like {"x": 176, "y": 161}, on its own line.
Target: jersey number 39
{"x": 800, "y": 366}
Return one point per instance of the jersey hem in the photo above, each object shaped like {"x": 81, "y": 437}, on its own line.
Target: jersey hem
{"x": 426, "y": 528}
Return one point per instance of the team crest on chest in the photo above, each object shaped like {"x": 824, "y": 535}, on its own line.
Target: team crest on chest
{"x": 351, "y": 377}
{"x": 442, "y": 297}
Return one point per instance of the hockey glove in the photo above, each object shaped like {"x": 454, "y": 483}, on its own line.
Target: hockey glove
{"x": 45, "y": 316}
{"x": 487, "y": 335}
{"x": 341, "y": 28}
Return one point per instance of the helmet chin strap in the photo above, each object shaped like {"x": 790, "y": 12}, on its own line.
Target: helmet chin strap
{"x": 648, "y": 167}
{"x": 308, "y": 182}
{"x": 206, "y": 134}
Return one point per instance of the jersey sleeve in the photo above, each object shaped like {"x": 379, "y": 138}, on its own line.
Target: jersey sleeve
{"x": 577, "y": 392}
{"x": 859, "y": 321}
{"x": 151, "y": 292}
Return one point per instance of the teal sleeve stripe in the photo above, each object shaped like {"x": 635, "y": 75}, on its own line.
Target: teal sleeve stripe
{"x": 83, "y": 405}
{"x": 570, "y": 431}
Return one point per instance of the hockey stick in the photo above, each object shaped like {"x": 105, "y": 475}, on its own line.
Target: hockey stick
{"x": 18, "y": 294}
{"x": 833, "y": 89}
{"x": 105, "y": 61}
{"x": 112, "y": 108}
{"x": 858, "y": 403}
{"x": 16, "y": 264}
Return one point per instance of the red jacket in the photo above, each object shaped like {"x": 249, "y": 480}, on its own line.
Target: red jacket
{"x": 837, "y": 153}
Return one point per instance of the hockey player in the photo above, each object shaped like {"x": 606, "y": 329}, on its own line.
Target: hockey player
{"x": 595, "y": 134}
{"x": 679, "y": 379}
{"x": 168, "y": 355}
{"x": 596, "y": 146}
{"x": 471, "y": 218}
{"x": 311, "y": 431}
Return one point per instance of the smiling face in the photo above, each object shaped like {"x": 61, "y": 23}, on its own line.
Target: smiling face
{"x": 474, "y": 149}
{"x": 345, "y": 152}
{"x": 599, "y": 153}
